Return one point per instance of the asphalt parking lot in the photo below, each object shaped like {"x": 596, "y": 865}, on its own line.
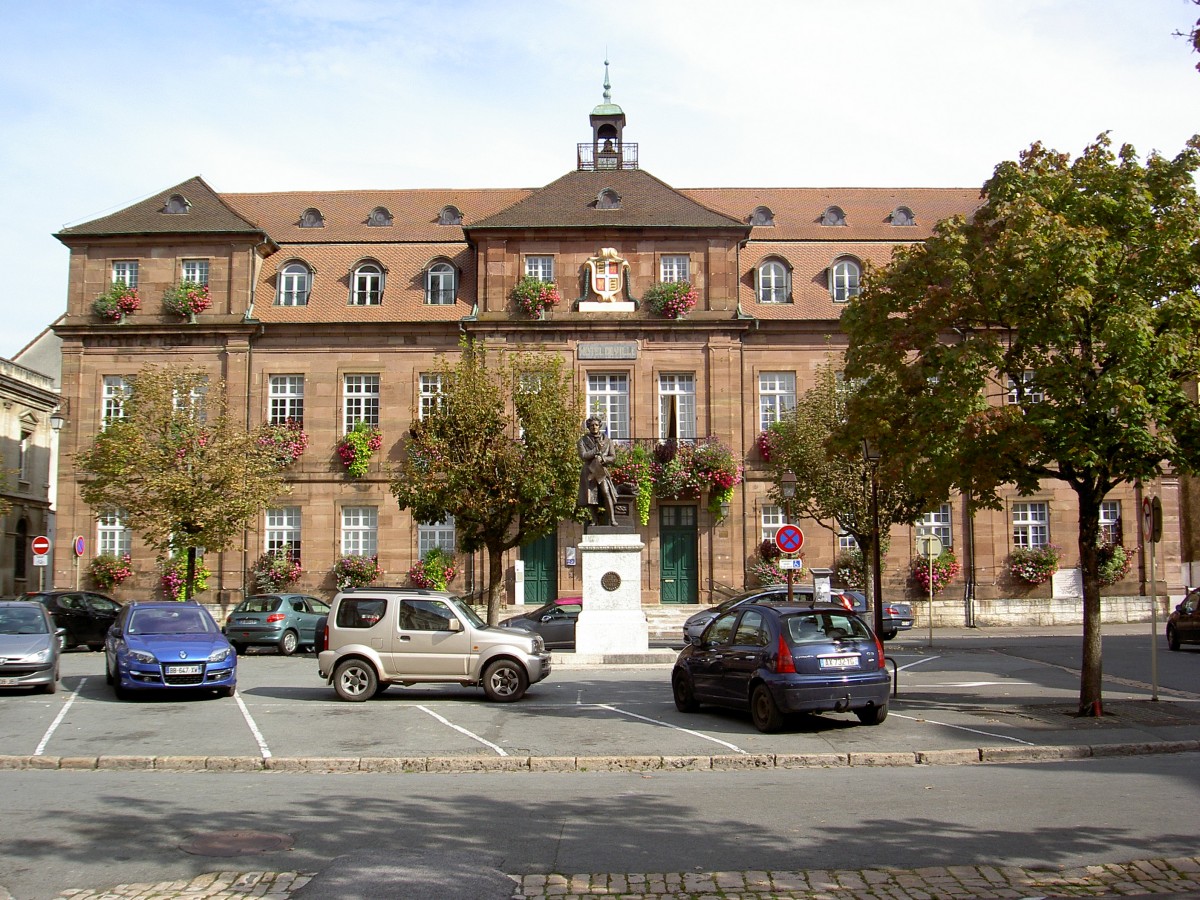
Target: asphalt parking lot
{"x": 953, "y": 697}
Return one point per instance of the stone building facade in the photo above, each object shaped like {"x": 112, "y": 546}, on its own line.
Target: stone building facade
{"x": 330, "y": 306}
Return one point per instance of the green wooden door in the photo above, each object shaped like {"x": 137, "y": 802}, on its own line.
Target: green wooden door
{"x": 678, "y": 554}
{"x": 541, "y": 569}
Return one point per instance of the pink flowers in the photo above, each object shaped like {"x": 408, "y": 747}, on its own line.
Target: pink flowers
{"x": 533, "y": 296}
{"x": 671, "y": 299}
{"x": 117, "y": 302}
{"x": 187, "y": 298}
{"x": 288, "y": 440}
{"x": 356, "y": 448}
{"x": 945, "y": 567}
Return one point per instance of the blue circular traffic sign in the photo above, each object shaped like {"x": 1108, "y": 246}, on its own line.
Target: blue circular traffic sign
{"x": 789, "y": 539}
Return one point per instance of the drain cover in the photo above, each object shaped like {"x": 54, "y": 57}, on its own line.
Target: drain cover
{"x": 236, "y": 843}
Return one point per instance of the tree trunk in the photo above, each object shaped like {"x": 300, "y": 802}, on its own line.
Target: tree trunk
{"x": 191, "y": 574}
{"x": 1090, "y": 699}
{"x": 495, "y": 583}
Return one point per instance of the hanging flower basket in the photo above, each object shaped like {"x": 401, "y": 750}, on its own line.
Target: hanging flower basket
{"x": 175, "y": 575}
{"x": 670, "y": 299}
{"x": 533, "y": 296}
{"x": 356, "y": 571}
{"x": 767, "y": 443}
{"x": 1114, "y": 563}
{"x": 187, "y": 299}
{"x": 108, "y": 571}
{"x": 684, "y": 471}
{"x": 275, "y": 571}
{"x": 357, "y": 447}
{"x": 117, "y": 302}
{"x": 287, "y": 440}
{"x": 434, "y": 571}
{"x": 633, "y": 467}
{"x": 945, "y": 567}
{"x": 1034, "y": 565}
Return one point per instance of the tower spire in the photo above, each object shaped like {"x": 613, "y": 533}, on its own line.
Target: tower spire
{"x": 607, "y": 84}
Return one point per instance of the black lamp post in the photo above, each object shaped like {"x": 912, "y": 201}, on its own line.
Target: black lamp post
{"x": 871, "y": 458}
{"x": 787, "y": 487}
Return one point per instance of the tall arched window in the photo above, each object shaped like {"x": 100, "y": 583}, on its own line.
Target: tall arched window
{"x": 441, "y": 284}
{"x": 366, "y": 285}
{"x": 773, "y": 282}
{"x": 844, "y": 276}
{"x": 21, "y": 550}
{"x": 295, "y": 282}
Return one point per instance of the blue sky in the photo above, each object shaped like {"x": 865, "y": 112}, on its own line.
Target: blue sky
{"x": 104, "y": 103}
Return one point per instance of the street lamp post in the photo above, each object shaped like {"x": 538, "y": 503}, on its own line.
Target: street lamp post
{"x": 871, "y": 458}
{"x": 787, "y": 487}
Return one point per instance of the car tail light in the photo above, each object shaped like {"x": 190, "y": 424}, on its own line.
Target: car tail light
{"x": 276, "y": 617}
{"x": 891, "y": 610}
{"x": 879, "y": 652}
{"x": 846, "y": 601}
{"x": 783, "y": 659}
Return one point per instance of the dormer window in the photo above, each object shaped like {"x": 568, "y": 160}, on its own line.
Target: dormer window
{"x": 366, "y": 284}
{"x": 294, "y": 284}
{"x": 379, "y": 218}
{"x": 312, "y": 218}
{"x": 845, "y": 277}
{"x": 902, "y": 215}
{"x": 176, "y": 205}
{"x": 833, "y": 216}
{"x": 608, "y": 199}
{"x": 450, "y": 215}
{"x": 762, "y": 217}
{"x": 441, "y": 283}
{"x": 773, "y": 281}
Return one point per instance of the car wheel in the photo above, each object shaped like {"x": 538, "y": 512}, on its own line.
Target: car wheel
{"x": 51, "y": 687}
{"x": 872, "y": 715}
{"x": 108, "y": 675}
{"x": 1172, "y": 639}
{"x": 504, "y": 681}
{"x": 355, "y": 680}
{"x": 225, "y": 692}
{"x": 681, "y": 687}
{"x": 763, "y": 711}
{"x": 887, "y": 635}
{"x": 288, "y": 643}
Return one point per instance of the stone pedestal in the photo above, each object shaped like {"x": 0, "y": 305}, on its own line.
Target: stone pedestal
{"x": 612, "y": 620}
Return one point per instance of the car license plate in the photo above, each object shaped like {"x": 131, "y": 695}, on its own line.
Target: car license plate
{"x": 245, "y": 621}
{"x": 183, "y": 670}
{"x": 839, "y": 662}
{"x": 9, "y": 682}
{"x": 906, "y": 622}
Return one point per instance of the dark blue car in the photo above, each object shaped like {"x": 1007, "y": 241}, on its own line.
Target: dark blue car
{"x": 168, "y": 646}
{"x": 774, "y": 660}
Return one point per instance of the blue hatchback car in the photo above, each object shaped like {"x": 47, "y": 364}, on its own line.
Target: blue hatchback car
{"x": 163, "y": 645}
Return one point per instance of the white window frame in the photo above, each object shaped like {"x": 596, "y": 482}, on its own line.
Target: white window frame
{"x": 674, "y": 267}
{"x": 540, "y": 267}
{"x": 435, "y": 534}
{"x": 23, "y": 456}
{"x": 772, "y": 282}
{"x": 441, "y": 284}
{"x": 1110, "y": 520}
{"x": 295, "y": 285}
{"x": 113, "y": 536}
{"x": 1031, "y": 524}
{"x": 285, "y": 399}
{"x": 1034, "y": 395}
{"x": 360, "y": 531}
{"x": 125, "y": 270}
{"x": 360, "y": 400}
{"x": 771, "y": 519}
{"x": 938, "y": 522}
{"x": 845, "y": 280}
{"x": 608, "y": 398}
{"x": 846, "y": 542}
{"x": 366, "y": 285}
{"x": 193, "y": 404}
{"x": 283, "y": 531}
{"x": 776, "y": 396}
{"x": 195, "y": 271}
{"x": 431, "y": 399}
{"x": 680, "y": 386}
{"x": 113, "y": 396}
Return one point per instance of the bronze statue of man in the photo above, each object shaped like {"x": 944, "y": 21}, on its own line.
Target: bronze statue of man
{"x": 596, "y": 488}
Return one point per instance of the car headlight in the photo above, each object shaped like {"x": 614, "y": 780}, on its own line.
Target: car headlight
{"x": 40, "y": 656}
{"x": 538, "y": 644}
{"x": 219, "y": 655}
{"x": 142, "y": 656}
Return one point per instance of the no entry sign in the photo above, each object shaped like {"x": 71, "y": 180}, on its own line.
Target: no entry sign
{"x": 789, "y": 539}
{"x": 40, "y": 545}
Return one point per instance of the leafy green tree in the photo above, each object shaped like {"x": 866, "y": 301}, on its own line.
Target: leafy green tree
{"x": 1077, "y": 287}
{"x": 186, "y": 473}
{"x": 833, "y": 480}
{"x": 497, "y": 453}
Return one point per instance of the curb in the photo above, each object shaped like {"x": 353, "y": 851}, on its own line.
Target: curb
{"x": 468, "y": 764}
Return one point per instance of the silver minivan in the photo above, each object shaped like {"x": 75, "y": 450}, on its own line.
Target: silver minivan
{"x": 376, "y": 637}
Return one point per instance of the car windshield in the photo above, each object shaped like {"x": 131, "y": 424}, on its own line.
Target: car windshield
{"x": 168, "y": 621}
{"x": 258, "y": 605}
{"x": 22, "y": 621}
{"x": 467, "y": 612}
{"x": 822, "y": 627}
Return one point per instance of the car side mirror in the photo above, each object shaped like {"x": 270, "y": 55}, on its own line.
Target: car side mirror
{"x": 456, "y": 625}
{"x": 547, "y": 618}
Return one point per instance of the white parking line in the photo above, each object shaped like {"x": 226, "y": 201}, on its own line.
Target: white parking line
{"x": 918, "y": 662}
{"x": 1003, "y": 737}
{"x": 262, "y": 743}
{"x": 698, "y": 734}
{"x": 474, "y": 737}
{"x": 62, "y": 714}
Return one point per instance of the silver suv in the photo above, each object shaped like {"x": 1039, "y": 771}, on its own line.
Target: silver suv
{"x": 376, "y": 637}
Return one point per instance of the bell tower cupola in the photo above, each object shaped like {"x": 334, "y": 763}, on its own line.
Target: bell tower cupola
{"x": 608, "y": 149}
